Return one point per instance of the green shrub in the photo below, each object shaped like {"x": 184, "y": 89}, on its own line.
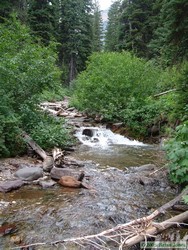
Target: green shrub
{"x": 55, "y": 94}
{"x": 177, "y": 153}
{"x": 120, "y": 86}
{"x": 181, "y": 108}
{"x": 51, "y": 133}
{"x": 26, "y": 70}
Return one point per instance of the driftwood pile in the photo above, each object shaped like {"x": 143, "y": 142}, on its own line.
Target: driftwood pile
{"x": 60, "y": 109}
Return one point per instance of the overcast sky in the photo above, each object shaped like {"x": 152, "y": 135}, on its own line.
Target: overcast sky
{"x": 104, "y": 4}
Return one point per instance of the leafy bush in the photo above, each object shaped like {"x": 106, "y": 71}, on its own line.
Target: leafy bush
{"x": 181, "y": 108}
{"x": 56, "y": 94}
{"x": 26, "y": 69}
{"x": 177, "y": 152}
{"x": 51, "y": 133}
{"x": 120, "y": 86}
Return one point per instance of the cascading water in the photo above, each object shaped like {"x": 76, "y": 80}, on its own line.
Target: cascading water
{"x": 102, "y": 137}
{"x": 104, "y": 147}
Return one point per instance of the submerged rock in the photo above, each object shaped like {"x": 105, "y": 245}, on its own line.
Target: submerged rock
{"x": 146, "y": 167}
{"x": 47, "y": 183}
{"x": 29, "y": 174}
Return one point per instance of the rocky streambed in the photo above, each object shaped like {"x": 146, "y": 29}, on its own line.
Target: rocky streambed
{"x": 42, "y": 214}
{"x": 40, "y": 210}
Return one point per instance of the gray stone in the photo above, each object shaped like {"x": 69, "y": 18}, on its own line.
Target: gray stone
{"x": 29, "y": 174}
{"x": 57, "y": 173}
{"x": 7, "y": 186}
{"x": 146, "y": 167}
{"x": 47, "y": 183}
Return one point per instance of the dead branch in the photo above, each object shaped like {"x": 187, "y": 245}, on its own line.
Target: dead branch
{"x": 154, "y": 172}
{"x": 165, "y": 92}
{"x": 57, "y": 154}
{"x": 156, "y": 228}
{"x": 130, "y": 233}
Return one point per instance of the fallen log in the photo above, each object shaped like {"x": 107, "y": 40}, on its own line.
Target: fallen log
{"x": 34, "y": 146}
{"x": 48, "y": 161}
{"x": 128, "y": 234}
{"x": 156, "y": 228}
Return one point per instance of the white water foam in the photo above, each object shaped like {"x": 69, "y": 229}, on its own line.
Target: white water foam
{"x": 95, "y": 136}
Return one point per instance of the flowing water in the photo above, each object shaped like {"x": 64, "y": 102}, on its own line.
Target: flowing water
{"x": 57, "y": 213}
{"x": 106, "y": 148}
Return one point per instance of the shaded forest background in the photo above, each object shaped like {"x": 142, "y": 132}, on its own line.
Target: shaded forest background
{"x": 53, "y": 48}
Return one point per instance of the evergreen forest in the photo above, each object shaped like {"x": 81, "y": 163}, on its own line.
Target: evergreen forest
{"x": 134, "y": 72}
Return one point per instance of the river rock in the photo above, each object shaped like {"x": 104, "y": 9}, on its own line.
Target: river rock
{"x": 69, "y": 181}
{"x": 146, "y": 167}
{"x": 29, "y": 174}
{"x": 47, "y": 183}
{"x": 57, "y": 173}
{"x": 7, "y": 186}
{"x": 73, "y": 162}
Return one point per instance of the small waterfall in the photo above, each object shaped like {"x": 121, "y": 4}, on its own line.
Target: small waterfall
{"x": 96, "y": 136}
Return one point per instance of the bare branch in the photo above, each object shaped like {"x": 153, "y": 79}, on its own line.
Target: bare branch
{"x": 165, "y": 92}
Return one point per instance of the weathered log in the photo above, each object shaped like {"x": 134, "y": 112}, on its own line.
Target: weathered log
{"x": 34, "y": 146}
{"x": 156, "y": 228}
{"x": 48, "y": 161}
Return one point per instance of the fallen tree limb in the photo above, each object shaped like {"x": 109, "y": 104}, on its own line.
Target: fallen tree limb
{"x": 156, "y": 228}
{"x": 165, "y": 92}
{"x": 127, "y": 234}
{"x": 34, "y": 146}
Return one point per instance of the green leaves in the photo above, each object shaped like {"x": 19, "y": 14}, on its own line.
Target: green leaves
{"x": 26, "y": 70}
{"x": 119, "y": 86}
{"x": 177, "y": 152}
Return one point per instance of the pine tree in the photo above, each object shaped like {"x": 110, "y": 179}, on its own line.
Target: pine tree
{"x": 97, "y": 27}
{"x": 76, "y": 35}
{"x": 43, "y": 19}
{"x": 9, "y": 6}
{"x": 171, "y": 37}
{"x": 136, "y": 28}
{"x": 112, "y": 33}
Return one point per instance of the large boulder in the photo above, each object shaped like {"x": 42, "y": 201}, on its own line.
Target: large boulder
{"x": 29, "y": 174}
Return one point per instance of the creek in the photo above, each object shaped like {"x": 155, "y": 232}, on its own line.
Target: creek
{"x": 57, "y": 213}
